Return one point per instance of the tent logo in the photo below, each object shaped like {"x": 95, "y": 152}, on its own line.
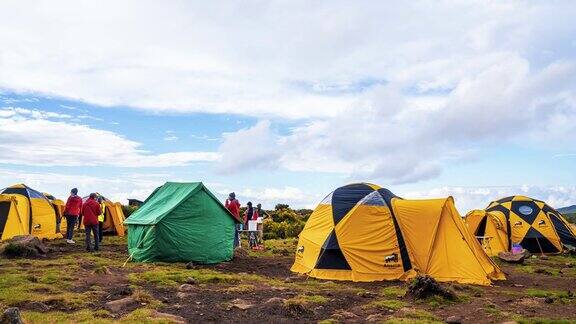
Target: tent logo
{"x": 300, "y": 249}
{"x": 518, "y": 223}
{"x": 525, "y": 210}
{"x": 391, "y": 258}
{"x": 542, "y": 223}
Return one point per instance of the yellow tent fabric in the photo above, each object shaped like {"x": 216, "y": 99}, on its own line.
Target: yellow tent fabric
{"x": 490, "y": 229}
{"x": 362, "y": 232}
{"x": 114, "y": 220}
{"x": 529, "y": 222}
{"x": 113, "y": 217}
{"x": 36, "y": 214}
{"x": 11, "y": 224}
{"x": 58, "y": 206}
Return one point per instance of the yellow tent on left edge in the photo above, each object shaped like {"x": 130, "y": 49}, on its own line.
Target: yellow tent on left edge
{"x": 26, "y": 211}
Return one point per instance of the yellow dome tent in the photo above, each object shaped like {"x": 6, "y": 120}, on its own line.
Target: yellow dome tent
{"x": 490, "y": 230}
{"x": 35, "y": 213}
{"x": 362, "y": 232}
{"x": 532, "y": 223}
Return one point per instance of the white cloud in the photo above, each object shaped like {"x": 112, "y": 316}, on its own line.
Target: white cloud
{"x": 269, "y": 197}
{"x": 254, "y": 147}
{"x": 292, "y": 59}
{"x": 117, "y": 188}
{"x": 30, "y": 113}
{"x": 386, "y": 136}
{"x": 32, "y": 138}
{"x": 170, "y": 136}
{"x": 468, "y": 198}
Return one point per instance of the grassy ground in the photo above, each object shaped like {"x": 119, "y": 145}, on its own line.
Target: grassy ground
{"x": 71, "y": 285}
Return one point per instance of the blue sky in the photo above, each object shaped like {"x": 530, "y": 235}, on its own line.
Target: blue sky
{"x": 283, "y": 103}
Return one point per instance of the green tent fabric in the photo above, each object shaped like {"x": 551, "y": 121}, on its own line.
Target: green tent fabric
{"x": 181, "y": 222}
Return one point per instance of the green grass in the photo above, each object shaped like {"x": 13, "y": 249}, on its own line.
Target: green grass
{"x": 241, "y": 288}
{"x": 385, "y": 304}
{"x": 142, "y": 315}
{"x": 411, "y": 315}
{"x": 544, "y": 321}
{"x": 306, "y": 300}
{"x": 393, "y": 291}
{"x": 175, "y": 277}
{"x": 562, "y": 296}
{"x": 276, "y": 247}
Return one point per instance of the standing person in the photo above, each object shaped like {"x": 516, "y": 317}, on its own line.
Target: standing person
{"x": 101, "y": 218}
{"x": 248, "y": 214}
{"x": 90, "y": 212}
{"x": 72, "y": 212}
{"x": 233, "y": 205}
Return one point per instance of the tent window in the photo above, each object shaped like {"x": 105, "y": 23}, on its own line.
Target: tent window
{"x": 327, "y": 200}
{"x": 373, "y": 199}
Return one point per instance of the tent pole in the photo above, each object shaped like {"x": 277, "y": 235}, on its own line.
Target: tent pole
{"x": 540, "y": 247}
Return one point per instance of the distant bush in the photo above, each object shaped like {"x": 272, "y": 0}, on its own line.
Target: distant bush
{"x": 282, "y": 222}
{"x": 128, "y": 210}
{"x": 571, "y": 218}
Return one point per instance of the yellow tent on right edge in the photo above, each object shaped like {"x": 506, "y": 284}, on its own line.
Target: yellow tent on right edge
{"x": 532, "y": 223}
{"x": 362, "y": 232}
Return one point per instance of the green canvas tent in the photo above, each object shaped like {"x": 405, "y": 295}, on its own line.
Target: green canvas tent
{"x": 181, "y": 222}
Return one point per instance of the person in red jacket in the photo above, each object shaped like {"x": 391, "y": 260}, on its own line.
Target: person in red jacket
{"x": 90, "y": 212}
{"x": 71, "y": 212}
{"x": 233, "y": 205}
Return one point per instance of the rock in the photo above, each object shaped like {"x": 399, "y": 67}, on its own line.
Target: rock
{"x": 517, "y": 285}
{"x": 278, "y": 288}
{"x": 512, "y": 258}
{"x": 11, "y": 316}
{"x": 342, "y": 314}
{"x": 544, "y": 257}
{"x": 543, "y": 271}
{"x": 375, "y": 318}
{"x": 275, "y": 300}
{"x": 569, "y": 265}
{"x": 23, "y": 246}
{"x": 366, "y": 294}
{"x": 102, "y": 270}
{"x": 548, "y": 300}
{"x": 454, "y": 319}
{"x": 186, "y": 287}
{"x": 116, "y": 306}
{"x": 38, "y": 306}
{"x": 182, "y": 295}
{"x": 190, "y": 265}
{"x": 425, "y": 286}
{"x": 241, "y": 304}
{"x": 191, "y": 281}
{"x": 240, "y": 253}
{"x": 170, "y": 317}
{"x": 510, "y": 322}
{"x": 327, "y": 282}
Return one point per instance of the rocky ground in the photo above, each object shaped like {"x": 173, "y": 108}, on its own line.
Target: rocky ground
{"x": 71, "y": 285}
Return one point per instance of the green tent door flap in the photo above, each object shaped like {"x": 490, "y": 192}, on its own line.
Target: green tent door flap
{"x": 181, "y": 222}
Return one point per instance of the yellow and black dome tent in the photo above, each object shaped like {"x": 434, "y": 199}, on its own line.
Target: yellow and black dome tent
{"x": 363, "y": 232}
{"x": 532, "y": 223}
{"x": 35, "y": 213}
